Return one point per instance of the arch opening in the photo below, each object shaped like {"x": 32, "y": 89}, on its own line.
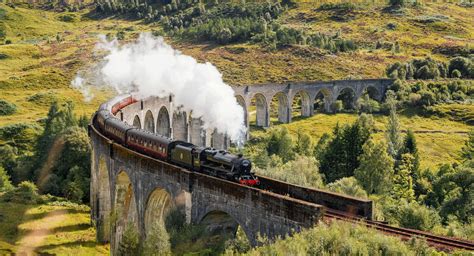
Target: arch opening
{"x": 136, "y": 122}
{"x": 241, "y": 102}
{"x": 221, "y": 227}
{"x": 321, "y": 101}
{"x": 301, "y": 105}
{"x": 346, "y": 100}
{"x": 125, "y": 208}
{"x": 259, "y": 108}
{"x": 180, "y": 126}
{"x": 368, "y": 102}
{"x": 279, "y": 109}
{"x": 163, "y": 127}
{"x": 149, "y": 124}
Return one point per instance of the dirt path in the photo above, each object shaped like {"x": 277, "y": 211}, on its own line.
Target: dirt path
{"x": 35, "y": 237}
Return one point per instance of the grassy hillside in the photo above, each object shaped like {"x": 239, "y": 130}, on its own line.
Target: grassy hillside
{"x": 48, "y": 229}
{"x": 47, "y": 50}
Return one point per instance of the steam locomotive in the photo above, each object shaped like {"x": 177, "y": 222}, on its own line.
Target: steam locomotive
{"x": 210, "y": 161}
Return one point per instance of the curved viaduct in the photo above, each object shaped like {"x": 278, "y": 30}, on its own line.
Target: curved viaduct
{"x": 307, "y": 95}
{"x": 131, "y": 190}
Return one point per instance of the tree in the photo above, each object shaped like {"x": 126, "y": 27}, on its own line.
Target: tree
{"x": 348, "y": 186}
{"x": 452, "y": 191}
{"x": 280, "y": 144}
{"x": 322, "y": 145}
{"x": 393, "y": 137}
{"x": 403, "y": 181}
{"x": 462, "y": 65}
{"x": 157, "y": 241}
{"x": 410, "y": 147}
{"x": 129, "y": 244}
{"x": 340, "y": 158}
{"x": 301, "y": 171}
{"x": 468, "y": 149}
{"x": 303, "y": 144}
{"x": 376, "y": 168}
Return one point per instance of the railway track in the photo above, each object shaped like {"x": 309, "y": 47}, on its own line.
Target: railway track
{"x": 439, "y": 242}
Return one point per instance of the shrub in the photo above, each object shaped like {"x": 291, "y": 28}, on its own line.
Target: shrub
{"x": 462, "y": 65}
{"x": 8, "y": 41}
{"x": 348, "y": 186}
{"x": 26, "y": 192}
{"x": 120, "y": 35}
{"x": 3, "y": 56}
{"x": 7, "y": 108}
{"x": 397, "y": 3}
{"x": 5, "y": 183}
{"x": 337, "y": 106}
{"x": 67, "y": 18}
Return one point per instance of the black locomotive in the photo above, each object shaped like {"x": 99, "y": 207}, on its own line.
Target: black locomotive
{"x": 218, "y": 163}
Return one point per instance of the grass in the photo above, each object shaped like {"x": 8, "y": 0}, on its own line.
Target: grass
{"x": 50, "y": 229}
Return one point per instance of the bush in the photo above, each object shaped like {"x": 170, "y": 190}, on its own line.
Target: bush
{"x": 8, "y": 41}
{"x": 337, "y": 106}
{"x": 456, "y": 74}
{"x": 5, "y": 183}
{"x": 397, "y": 3}
{"x": 339, "y": 238}
{"x": 7, "y": 108}
{"x": 26, "y": 192}
{"x": 67, "y": 18}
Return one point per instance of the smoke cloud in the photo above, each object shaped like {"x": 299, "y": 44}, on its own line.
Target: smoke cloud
{"x": 150, "y": 67}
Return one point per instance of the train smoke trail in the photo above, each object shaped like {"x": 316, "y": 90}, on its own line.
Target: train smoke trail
{"x": 151, "y": 67}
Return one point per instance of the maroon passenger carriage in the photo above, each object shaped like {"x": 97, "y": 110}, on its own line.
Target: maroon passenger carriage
{"x": 218, "y": 163}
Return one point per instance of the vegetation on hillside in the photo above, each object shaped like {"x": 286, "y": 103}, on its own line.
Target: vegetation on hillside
{"x": 407, "y": 159}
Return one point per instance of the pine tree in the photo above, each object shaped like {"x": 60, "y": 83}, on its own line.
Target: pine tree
{"x": 403, "y": 181}
{"x": 410, "y": 147}
{"x": 157, "y": 240}
{"x": 376, "y": 168}
{"x": 129, "y": 244}
{"x": 303, "y": 144}
{"x": 393, "y": 127}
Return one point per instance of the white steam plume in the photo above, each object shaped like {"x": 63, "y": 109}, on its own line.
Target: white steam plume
{"x": 151, "y": 67}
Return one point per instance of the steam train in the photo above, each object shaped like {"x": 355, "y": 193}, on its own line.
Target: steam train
{"x": 217, "y": 163}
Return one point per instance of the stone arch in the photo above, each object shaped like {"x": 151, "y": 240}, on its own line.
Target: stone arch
{"x": 282, "y": 112}
{"x": 321, "y": 102}
{"x": 261, "y": 107}
{"x": 180, "y": 126}
{"x": 163, "y": 127}
{"x": 158, "y": 206}
{"x": 348, "y": 97}
{"x": 149, "y": 124}
{"x": 125, "y": 207}
{"x": 136, "y": 122}
{"x": 219, "y": 222}
{"x": 373, "y": 93}
{"x": 302, "y": 104}
{"x": 104, "y": 202}
{"x": 241, "y": 102}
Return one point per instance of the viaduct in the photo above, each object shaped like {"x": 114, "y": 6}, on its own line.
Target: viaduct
{"x": 131, "y": 190}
